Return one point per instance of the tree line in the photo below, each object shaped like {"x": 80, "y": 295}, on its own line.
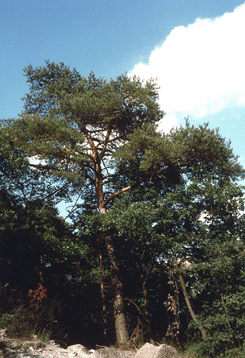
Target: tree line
{"x": 155, "y": 247}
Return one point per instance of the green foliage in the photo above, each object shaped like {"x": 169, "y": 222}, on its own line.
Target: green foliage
{"x": 171, "y": 205}
{"x": 223, "y": 299}
{"x": 187, "y": 151}
{"x": 6, "y": 320}
{"x": 190, "y": 350}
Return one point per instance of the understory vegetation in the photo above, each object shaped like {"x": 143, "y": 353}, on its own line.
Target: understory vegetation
{"x": 154, "y": 246}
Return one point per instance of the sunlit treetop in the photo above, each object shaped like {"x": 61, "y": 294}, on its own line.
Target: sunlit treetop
{"x": 98, "y": 132}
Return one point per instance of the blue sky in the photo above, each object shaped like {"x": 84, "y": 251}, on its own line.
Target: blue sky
{"x": 195, "y": 48}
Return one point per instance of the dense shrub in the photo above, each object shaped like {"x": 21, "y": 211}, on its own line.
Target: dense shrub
{"x": 225, "y": 327}
{"x": 38, "y": 316}
{"x": 6, "y": 320}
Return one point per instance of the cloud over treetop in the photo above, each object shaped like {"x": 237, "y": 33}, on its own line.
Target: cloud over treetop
{"x": 200, "y": 68}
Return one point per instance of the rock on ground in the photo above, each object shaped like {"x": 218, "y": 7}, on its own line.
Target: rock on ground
{"x": 14, "y": 348}
{"x": 77, "y": 351}
{"x": 112, "y": 353}
{"x": 162, "y": 351}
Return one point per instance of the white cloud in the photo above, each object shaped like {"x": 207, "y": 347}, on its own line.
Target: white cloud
{"x": 200, "y": 68}
{"x": 170, "y": 120}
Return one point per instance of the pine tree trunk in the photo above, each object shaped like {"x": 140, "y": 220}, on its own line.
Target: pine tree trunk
{"x": 119, "y": 314}
{"x": 120, "y": 322}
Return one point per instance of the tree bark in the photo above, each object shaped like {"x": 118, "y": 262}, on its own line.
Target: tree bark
{"x": 119, "y": 313}
{"x": 182, "y": 283}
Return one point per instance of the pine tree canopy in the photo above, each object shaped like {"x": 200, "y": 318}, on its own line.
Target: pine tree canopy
{"x": 102, "y": 134}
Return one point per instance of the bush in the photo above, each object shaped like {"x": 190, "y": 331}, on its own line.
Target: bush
{"x": 5, "y": 320}
{"x": 225, "y": 327}
{"x": 23, "y": 323}
{"x": 38, "y": 316}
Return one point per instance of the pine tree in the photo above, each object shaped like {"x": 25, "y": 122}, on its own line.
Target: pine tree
{"x": 74, "y": 125}
{"x": 100, "y": 136}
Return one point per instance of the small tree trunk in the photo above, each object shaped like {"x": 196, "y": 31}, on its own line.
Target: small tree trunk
{"x": 182, "y": 283}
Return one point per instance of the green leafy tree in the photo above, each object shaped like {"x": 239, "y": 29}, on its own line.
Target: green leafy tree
{"x": 32, "y": 235}
{"x": 203, "y": 187}
{"x": 101, "y": 137}
{"x": 170, "y": 219}
{"x": 216, "y": 276}
{"x": 129, "y": 221}
{"x": 39, "y": 252}
{"x": 74, "y": 125}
